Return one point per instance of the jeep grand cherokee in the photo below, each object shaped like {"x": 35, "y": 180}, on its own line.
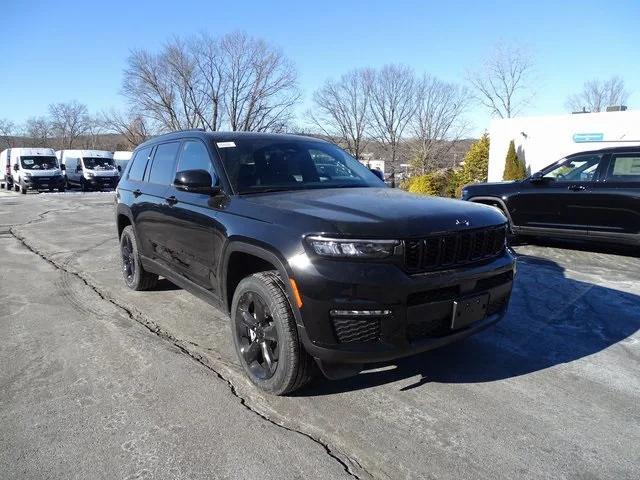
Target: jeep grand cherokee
{"x": 315, "y": 259}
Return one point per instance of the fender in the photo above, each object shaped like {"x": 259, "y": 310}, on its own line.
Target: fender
{"x": 265, "y": 252}
{"x": 122, "y": 209}
{"x": 498, "y": 200}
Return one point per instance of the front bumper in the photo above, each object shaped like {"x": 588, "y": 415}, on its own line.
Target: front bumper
{"x": 100, "y": 183}
{"x": 420, "y": 307}
{"x": 43, "y": 183}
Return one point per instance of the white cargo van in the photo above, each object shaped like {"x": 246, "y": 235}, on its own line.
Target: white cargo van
{"x": 35, "y": 169}
{"x": 5, "y": 165}
{"x": 89, "y": 169}
{"x": 122, "y": 158}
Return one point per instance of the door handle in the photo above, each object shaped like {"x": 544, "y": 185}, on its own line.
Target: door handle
{"x": 577, "y": 188}
{"x": 137, "y": 192}
{"x": 172, "y": 200}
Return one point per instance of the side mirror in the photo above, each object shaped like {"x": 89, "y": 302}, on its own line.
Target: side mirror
{"x": 196, "y": 181}
{"x": 377, "y": 173}
{"x": 119, "y": 168}
{"x": 15, "y": 167}
{"x": 78, "y": 168}
{"x": 63, "y": 167}
{"x": 537, "y": 177}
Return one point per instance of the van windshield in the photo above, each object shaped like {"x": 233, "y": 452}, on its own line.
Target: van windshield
{"x": 98, "y": 163}
{"x": 38, "y": 162}
{"x": 267, "y": 165}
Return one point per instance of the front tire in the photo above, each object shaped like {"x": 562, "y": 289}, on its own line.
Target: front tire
{"x": 134, "y": 274}
{"x": 265, "y": 335}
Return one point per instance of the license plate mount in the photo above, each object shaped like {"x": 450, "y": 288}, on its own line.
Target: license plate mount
{"x": 469, "y": 310}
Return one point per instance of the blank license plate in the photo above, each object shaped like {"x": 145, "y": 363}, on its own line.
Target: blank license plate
{"x": 469, "y": 310}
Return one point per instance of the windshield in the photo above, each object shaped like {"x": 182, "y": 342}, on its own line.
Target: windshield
{"x": 259, "y": 165}
{"x": 98, "y": 163}
{"x": 38, "y": 162}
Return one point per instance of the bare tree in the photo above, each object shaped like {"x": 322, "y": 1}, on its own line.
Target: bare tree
{"x": 69, "y": 121}
{"x": 261, "y": 84}
{"x": 342, "y": 110}
{"x": 39, "y": 130}
{"x": 133, "y": 127}
{"x": 208, "y": 58}
{"x": 438, "y": 122}
{"x": 597, "y": 95}
{"x": 150, "y": 90}
{"x": 502, "y": 83}
{"x": 7, "y": 132}
{"x": 236, "y": 81}
{"x": 393, "y": 103}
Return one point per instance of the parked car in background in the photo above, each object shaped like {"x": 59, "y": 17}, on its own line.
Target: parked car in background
{"x": 313, "y": 256}
{"x": 89, "y": 169}
{"x": 591, "y": 195}
{"x": 121, "y": 157}
{"x": 34, "y": 169}
{"x": 5, "y": 164}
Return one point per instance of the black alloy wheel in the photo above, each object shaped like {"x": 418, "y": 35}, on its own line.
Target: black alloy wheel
{"x": 257, "y": 335}
{"x": 128, "y": 259}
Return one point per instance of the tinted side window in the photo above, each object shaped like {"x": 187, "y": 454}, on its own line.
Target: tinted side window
{"x": 162, "y": 168}
{"x": 581, "y": 168}
{"x": 624, "y": 168}
{"x": 139, "y": 164}
{"x": 194, "y": 156}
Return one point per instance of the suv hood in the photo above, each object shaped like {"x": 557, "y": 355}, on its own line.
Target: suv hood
{"x": 376, "y": 212}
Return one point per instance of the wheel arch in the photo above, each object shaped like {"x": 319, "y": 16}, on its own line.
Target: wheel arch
{"x": 236, "y": 265}
{"x": 495, "y": 202}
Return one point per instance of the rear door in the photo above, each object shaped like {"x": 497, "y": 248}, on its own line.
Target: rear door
{"x": 195, "y": 236}
{"x": 617, "y": 196}
{"x": 150, "y": 213}
{"x": 560, "y": 200}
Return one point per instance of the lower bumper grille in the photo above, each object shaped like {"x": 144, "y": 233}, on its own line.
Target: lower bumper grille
{"x": 349, "y": 330}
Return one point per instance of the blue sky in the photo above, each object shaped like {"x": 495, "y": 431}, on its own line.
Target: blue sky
{"x": 63, "y": 50}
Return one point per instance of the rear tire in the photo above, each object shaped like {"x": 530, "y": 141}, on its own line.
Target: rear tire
{"x": 263, "y": 326}
{"x": 134, "y": 274}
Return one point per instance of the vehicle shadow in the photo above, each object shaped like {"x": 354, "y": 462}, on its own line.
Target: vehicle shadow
{"x": 165, "y": 285}
{"x": 551, "y": 320}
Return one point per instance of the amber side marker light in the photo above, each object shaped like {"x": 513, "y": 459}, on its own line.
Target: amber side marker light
{"x": 296, "y": 293}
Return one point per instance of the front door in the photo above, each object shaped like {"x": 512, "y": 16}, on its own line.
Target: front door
{"x": 560, "y": 198}
{"x": 195, "y": 235}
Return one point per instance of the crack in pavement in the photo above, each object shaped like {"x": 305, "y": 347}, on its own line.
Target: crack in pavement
{"x": 345, "y": 461}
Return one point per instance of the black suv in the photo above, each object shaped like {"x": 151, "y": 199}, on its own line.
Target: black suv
{"x": 314, "y": 257}
{"x": 586, "y": 196}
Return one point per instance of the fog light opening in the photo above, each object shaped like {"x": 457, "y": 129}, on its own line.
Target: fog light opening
{"x": 360, "y": 313}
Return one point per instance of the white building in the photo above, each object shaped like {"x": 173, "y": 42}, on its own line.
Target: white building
{"x": 543, "y": 140}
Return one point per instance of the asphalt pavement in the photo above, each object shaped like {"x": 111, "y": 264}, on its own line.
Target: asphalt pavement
{"x": 97, "y": 381}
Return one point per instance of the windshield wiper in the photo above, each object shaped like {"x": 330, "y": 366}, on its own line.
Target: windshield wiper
{"x": 267, "y": 190}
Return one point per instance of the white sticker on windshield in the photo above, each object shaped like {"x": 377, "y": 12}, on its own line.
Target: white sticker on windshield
{"x": 226, "y": 144}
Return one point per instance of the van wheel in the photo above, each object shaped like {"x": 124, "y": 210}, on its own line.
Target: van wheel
{"x": 23, "y": 190}
{"x": 265, "y": 335}
{"x": 83, "y": 185}
{"x": 135, "y": 276}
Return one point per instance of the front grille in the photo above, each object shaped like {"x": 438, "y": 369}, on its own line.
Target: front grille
{"x": 453, "y": 250}
{"x": 349, "y": 330}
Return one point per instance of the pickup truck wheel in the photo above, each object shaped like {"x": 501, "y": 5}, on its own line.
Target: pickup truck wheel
{"x": 265, "y": 335}
{"x": 135, "y": 276}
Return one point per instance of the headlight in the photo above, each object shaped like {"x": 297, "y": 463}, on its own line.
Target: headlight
{"x": 90, "y": 175}
{"x": 26, "y": 174}
{"x": 336, "y": 247}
